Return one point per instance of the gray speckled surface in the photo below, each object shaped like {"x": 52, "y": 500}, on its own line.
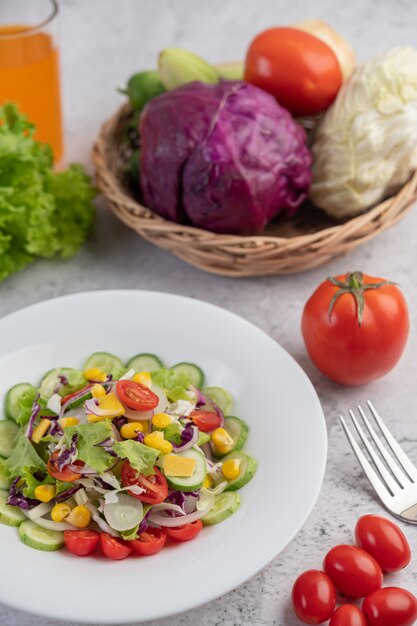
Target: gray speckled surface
{"x": 104, "y": 42}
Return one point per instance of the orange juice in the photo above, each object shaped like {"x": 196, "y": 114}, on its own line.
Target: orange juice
{"x": 29, "y": 76}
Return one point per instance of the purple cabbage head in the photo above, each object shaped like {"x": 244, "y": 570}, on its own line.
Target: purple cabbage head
{"x": 225, "y": 157}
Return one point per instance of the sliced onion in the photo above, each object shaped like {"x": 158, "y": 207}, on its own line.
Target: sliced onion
{"x": 81, "y": 497}
{"x": 77, "y": 396}
{"x": 103, "y": 525}
{"x": 159, "y": 519}
{"x": 54, "y": 403}
{"x": 129, "y": 374}
{"x": 163, "y": 400}
{"x": 166, "y": 506}
{"x": 51, "y": 525}
{"x": 219, "y": 488}
{"x": 39, "y": 511}
{"x": 92, "y": 407}
{"x": 85, "y": 469}
{"x": 190, "y": 443}
{"x": 138, "y": 416}
{"x": 123, "y": 514}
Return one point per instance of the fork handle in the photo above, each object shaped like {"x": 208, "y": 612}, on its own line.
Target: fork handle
{"x": 410, "y": 514}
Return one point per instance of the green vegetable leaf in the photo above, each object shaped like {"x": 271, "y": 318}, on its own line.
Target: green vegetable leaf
{"x": 173, "y": 433}
{"x": 130, "y": 535}
{"x": 31, "y": 482}
{"x": 175, "y": 384}
{"x": 42, "y": 212}
{"x": 141, "y": 457}
{"x": 76, "y": 381}
{"x": 24, "y": 456}
{"x": 89, "y": 435}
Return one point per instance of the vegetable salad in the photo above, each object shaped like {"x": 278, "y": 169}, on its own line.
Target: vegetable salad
{"x": 121, "y": 455}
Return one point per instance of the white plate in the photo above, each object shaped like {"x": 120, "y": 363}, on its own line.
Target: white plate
{"x": 273, "y": 394}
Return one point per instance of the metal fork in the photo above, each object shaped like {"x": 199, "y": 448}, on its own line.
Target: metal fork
{"x": 395, "y": 481}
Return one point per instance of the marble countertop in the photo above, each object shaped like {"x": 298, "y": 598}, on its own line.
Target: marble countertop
{"x": 103, "y": 42}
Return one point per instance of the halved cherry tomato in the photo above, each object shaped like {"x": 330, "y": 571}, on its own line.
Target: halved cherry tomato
{"x": 384, "y": 540}
{"x": 155, "y": 485}
{"x": 186, "y": 532}
{"x": 136, "y": 396}
{"x": 348, "y": 615}
{"x": 113, "y": 548}
{"x": 300, "y": 70}
{"x": 313, "y": 597}
{"x": 353, "y": 571}
{"x": 81, "y": 542}
{"x": 149, "y": 542}
{"x": 66, "y": 474}
{"x": 205, "y": 421}
{"x": 72, "y": 395}
{"x": 390, "y": 606}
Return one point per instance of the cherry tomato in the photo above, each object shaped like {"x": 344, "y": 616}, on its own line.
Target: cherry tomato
{"x": 113, "y": 548}
{"x": 353, "y": 571}
{"x": 313, "y": 597}
{"x": 350, "y": 346}
{"x": 384, "y": 540}
{"x": 72, "y": 395}
{"x": 149, "y": 542}
{"x": 66, "y": 474}
{"x": 390, "y": 606}
{"x": 155, "y": 485}
{"x": 81, "y": 542}
{"x": 348, "y": 615}
{"x": 136, "y": 396}
{"x": 205, "y": 420}
{"x": 300, "y": 70}
{"x": 186, "y": 532}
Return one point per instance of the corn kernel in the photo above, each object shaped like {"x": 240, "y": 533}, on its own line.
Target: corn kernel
{"x": 60, "y": 511}
{"x": 110, "y": 402}
{"x": 131, "y": 429}
{"x": 222, "y": 441}
{"x": 80, "y": 516}
{"x": 208, "y": 481}
{"x": 40, "y": 430}
{"x": 68, "y": 421}
{"x": 45, "y": 493}
{"x": 161, "y": 420}
{"x": 231, "y": 469}
{"x": 166, "y": 447}
{"x": 95, "y": 373}
{"x": 98, "y": 391}
{"x": 145, "y": 425}
{"x": 144, "y": 378}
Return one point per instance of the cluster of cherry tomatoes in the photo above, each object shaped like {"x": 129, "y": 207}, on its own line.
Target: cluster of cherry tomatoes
{"x": 358, "y": 572}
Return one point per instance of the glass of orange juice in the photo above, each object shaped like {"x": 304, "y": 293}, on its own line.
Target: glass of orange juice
{"x": 29, "y": 65}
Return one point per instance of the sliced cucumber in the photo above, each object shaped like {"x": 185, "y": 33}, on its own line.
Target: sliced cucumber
{"x": 194, "y": 373}
{"x": 40, "y": 538}
{"x": 202, "y": 439}
{"x": 145, "y": 363}
{"x": 5, "y": 480}
{"x": 225, "y": 505}
{"x": 106, "y": 362}
{"x": 12, "y": 406}
{"x": 8, "y": 434}
{"x": 194, "y": 482}
{"x": 237, "y": 429}
{"x": 9, "y": 515}
{"x": 247, "y": 469}
{"x": 221, "y": 397}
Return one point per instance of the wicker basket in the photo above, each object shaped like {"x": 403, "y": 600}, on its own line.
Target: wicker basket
{"x": 306, "y": 241}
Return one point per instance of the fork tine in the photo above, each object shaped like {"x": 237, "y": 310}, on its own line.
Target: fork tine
{"x": 398, "y": 472}
{"x": 403, "y": 459}
{"x": 369, "y": 471}
{"x": 385, "y": 475}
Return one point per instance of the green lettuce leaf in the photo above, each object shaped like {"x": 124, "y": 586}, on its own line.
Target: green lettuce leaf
{"x": 173, "y": 433}
{"x": 89, "y": 435}
{"x": 24, "y": 456}
{"x": 130, "y": 535}
{"x": 141, "y": 457}
{"x": 31, "y": 482}
{"x": 175, "y": 384}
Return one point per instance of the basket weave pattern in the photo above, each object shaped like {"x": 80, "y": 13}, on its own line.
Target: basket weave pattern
{"x": 306, "y": 241}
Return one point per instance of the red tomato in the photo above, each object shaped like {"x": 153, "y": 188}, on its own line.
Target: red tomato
{"x": 155, "y": 485}
{"x": 384, "y": 540}
{"x": 348, "y": 615}
{"x": 136, "y": 396}
{"x": 186, "y": 532}
{"x": 149, "y": 542}
{"x": 390, "y": 606}
{"x": 313, "y": 597}
{"x": 353, "y": 571}
{"x": 113, "y": 548}
{"x": 350, "y": 348}
{"x": 66, "y": 474}
{"x": 81, "y": 542}
{"x": 72, "y": 395}
{"x": 205, "y": 420}
{"x": 300, "y": 70}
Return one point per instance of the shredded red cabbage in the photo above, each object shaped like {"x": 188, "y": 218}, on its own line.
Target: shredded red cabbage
{"x": 66, "y": 494}
{"x": 16, "y": 497}
{"x": 55, "y": 428}
{"x": 140, "y": 437}
{"x": 67, "y": 455}
{"x": 119, "y": 421}
{"x": 36, "y": 407}
{"x": 107, "y": 444}
{"x": 143, "y": 526}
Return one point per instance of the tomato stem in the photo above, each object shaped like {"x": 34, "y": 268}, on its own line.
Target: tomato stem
{"x": 356, "y": 287}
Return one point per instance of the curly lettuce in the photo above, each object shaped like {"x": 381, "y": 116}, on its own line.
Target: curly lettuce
{"x": 43, "y": 213}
